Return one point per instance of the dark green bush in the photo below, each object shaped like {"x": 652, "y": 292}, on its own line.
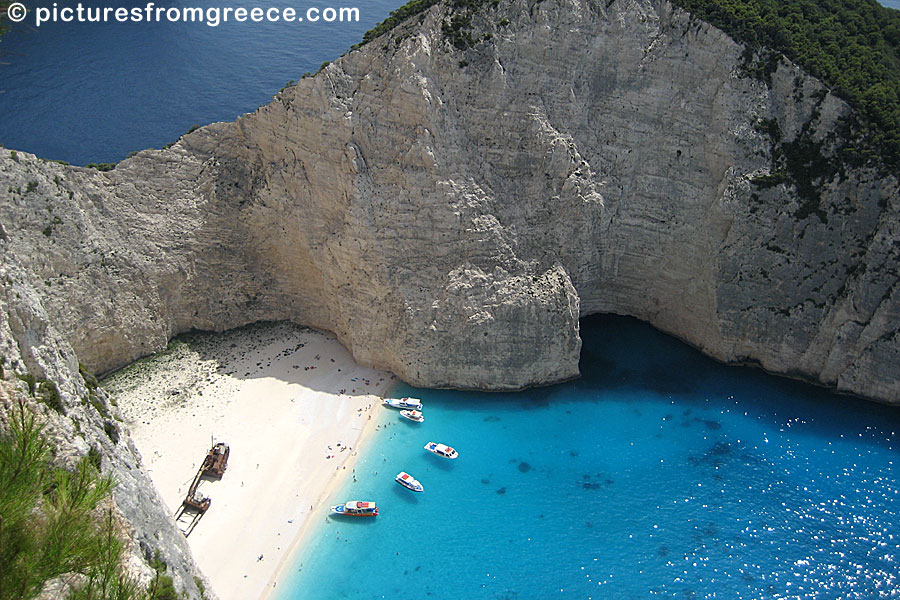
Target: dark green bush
{"x": 162, "y": 588}
{"x": 30, "y": 380}
{"x": 94, "y": 458}
{"x": 396, "y": 17}
{"x": 89, "y": 379}
{"x": 456, "y": 30}
{"x": 48, "y": 521}
{"x": 101, "y": 166}
{"x": 99, "y": 405}
{"x": 111, "y": 431}
{"x": 48, "y": 393}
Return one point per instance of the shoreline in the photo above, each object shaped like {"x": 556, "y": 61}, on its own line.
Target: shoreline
{"x": 294, "y": 408}
{"x": 282, "y": 573}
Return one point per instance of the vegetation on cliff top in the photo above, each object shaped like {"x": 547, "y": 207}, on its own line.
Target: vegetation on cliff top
{"x": 412, "y": 8}
{"x": 853, "y": 46}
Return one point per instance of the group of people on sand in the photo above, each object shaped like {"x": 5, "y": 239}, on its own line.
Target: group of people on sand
{"x": 339, "y": 445}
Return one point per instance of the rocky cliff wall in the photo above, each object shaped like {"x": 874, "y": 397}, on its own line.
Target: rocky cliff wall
{"x": 450, "y": 213}
{"x": 88, "y": 423}
{"x": 450, "y": 202}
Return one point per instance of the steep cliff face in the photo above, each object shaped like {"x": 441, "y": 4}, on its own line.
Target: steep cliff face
{"x": 450, "y": 213}
{"x": 88, "y": 423}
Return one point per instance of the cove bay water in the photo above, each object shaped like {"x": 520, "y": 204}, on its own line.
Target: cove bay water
{"x": 659, "y": 474}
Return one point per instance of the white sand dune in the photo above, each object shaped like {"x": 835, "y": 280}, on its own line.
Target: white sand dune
{"x": 291, "y": 404}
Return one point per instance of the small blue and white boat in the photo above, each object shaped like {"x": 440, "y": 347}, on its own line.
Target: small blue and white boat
{"x": 441, "y": 450}
{"x": 406, "y": 403}
{"x": 409, "y": 482}
{"x": 355, "y": 508}
{"x": 413, "y": 415}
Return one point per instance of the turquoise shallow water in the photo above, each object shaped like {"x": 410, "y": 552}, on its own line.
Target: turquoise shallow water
{"x": 660, "y": 474}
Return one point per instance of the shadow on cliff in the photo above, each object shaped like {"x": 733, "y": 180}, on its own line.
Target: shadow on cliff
{"x": 629, "y": 362}
{"x": 622, "y": 359}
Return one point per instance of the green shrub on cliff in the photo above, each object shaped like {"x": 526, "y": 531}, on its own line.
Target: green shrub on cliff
{"x": 90, "y": 380}
{"x": 29, "y": 380}
{"x": 48, "y": 523}
{"x": 410, "y": 9}
{"x": 101, "y": 166}
{"x": 853, "y": 46}
{"x": 48, "y": 393}
{"x": 455, "y": 30}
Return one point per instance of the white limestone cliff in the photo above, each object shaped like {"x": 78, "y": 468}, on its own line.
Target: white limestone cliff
{"x": 450, "y": 214}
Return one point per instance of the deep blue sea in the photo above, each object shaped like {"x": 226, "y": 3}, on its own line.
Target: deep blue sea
{"x": 659, "y": 474}
{"x": 93, "y": 92}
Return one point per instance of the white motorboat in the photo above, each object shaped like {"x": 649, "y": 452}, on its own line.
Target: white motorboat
{"x": 355, "y": 508}
{"x": 413, "y": 415}
{"x": 441, "y": 450}
{"x": 409, "y": 482}
{"x": 410, "y": 403}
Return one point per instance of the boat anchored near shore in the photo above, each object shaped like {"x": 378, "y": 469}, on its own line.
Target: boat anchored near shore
{"x": 413, "y": 415}
{"x": 409, "y": 482}
{"x": 410, "y": 403}
{"x": 355, "y": 508}
{"x": 441, "y": 450}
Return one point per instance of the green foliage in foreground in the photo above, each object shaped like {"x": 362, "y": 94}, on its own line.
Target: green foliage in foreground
{"x": 853, "y": 46}
{"x": 49, "y": 524}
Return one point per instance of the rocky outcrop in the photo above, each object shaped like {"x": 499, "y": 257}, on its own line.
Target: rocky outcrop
{"x": 88, "y": 426}
{"x": 450, "y": 213}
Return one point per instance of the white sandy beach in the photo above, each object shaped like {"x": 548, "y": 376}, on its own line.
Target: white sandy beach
{"x": 292, "y": 405}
